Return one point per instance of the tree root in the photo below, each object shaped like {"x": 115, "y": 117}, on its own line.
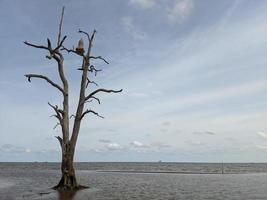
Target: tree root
{"x": 68, "y": 185}
{"x": 69, "y": 188}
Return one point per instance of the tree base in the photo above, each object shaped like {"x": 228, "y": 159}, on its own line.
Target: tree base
{"x": 69, "y": 188}
{"x": 68, "y": 183}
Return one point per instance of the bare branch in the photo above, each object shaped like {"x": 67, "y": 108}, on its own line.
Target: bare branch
{"x": 72, "y": 51}
{"x": 69, "y": 50}
{"x": 98, "y": 57}
{"x": 59, "y": 113}
{"x": 93, "y": 35}
{"x": 92, "y": 97}
{"x": 36, "y": 46}
{"x": 59, "y": 58}
{"x": 88, "y": 81}
{"x": 90, "y": 40}
{"x": 29, "y": 76}
{"x": 101, "y": 90}
{"x": 91, "y": 111}
{"x": 56, "y": 125}
{"x": 49, "y": 46}
{"x": 60, "y": 44}
{"x": 60, "y": 26}
{"x": 93, "y": 69}
{"x": 87, "y": 34}
{"x": 60, "y": 140}
{"x": 55, "y": 117}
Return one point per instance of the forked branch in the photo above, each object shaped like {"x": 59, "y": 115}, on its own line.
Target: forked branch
{"x": 59, "y": 112}
{"x": 36, "y": 46}
{"x": 91, "y": 111}
{"x": 60, "y": 44}
{"x": 29, "y": 76}
{"x": 72, "y": 51}
{"x": 92, "y": 97}
{"x": 60, "y": 140}
{"x": 90, "y": 40}
{"x": 101, "y": 90}
{"x": 93, "y": 69}
{"x": 99, "y": 57}
{"x": 49, "y": 48}
{"x": 88, "y": 81}
{"x": 57, "y": 124}
{"x": 87, "y": 34}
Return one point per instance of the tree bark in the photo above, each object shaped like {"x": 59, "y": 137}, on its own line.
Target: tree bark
{"x": 68, "y": 179}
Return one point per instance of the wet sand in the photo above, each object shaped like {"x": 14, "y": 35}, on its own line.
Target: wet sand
{"x": 33, "y": 180}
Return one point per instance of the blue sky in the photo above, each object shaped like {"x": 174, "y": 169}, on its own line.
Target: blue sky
{"x": 193, "y": 74}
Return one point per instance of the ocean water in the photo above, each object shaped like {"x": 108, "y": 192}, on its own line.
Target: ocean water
{"x": 137, "y": 181}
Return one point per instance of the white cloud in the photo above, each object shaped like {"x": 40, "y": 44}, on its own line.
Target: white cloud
{"x": 160, "y": 145}
{"x": 180, "y": 10}
{"x": 28, "y": 150}
{"x": 166, "y": 123}
{"x": 175, "y": 11}
{"x": 98, "y": 150}
{"x": 262, "y": 134}
{"x": 131, "y": 29}
{"x": 104, "y": 141}
{"x": 105, "y": 145}
{"x": 195, "y": 143}
{"x": 201, "y": 98}
{"x": 152, "y": 146}
{"x": 137, "y": 144}
{"x": 145, "y": 4}
{"x": 204, "y": 133}
{"x": 261, "y": 146}
{"x": 195, "y": 58}
{"x": 13, "y": 149}
{"x": 9, "y": 148}
{"x": 114, "y": 146}
{"x": 244, "y": 89}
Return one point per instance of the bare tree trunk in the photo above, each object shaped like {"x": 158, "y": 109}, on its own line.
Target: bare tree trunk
{"x": 68, "y": 142}
{"x": 68, "y": 179}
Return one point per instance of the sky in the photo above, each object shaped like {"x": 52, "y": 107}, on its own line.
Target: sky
{"x": 193, "y": 75}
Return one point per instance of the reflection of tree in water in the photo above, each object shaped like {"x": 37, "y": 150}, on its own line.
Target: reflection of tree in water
{"x": 66, "y": 195}
{"x": 75, "y": 195}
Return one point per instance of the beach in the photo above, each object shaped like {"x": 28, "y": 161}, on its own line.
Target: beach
{"x": 136, "y": 181}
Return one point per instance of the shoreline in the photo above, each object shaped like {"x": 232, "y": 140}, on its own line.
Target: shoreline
{"x": 172, "y": 172}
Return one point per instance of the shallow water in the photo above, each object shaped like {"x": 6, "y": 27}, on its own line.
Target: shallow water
{"x": 131, "y": 181}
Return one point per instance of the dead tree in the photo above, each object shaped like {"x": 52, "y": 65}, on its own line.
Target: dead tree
{"x": 68, "y": 141}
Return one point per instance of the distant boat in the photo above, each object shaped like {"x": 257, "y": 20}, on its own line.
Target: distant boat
{"x": 160, "y": 161}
